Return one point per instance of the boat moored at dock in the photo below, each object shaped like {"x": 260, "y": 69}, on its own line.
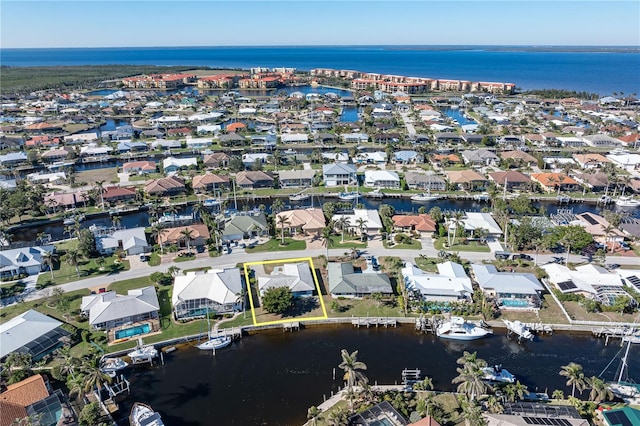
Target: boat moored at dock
{"x": 111, "y": 366}
{"x": 143, "y": 415}
{"x": 497, "y": 374}
{"x": 142, "y": 353}
{"x": 215, "y": 343}
{"x": 517, "y": 327}
{"x": 457, "y": 328}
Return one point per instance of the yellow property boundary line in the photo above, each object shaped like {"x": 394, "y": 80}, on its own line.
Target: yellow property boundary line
{"x": 247, "y": 266}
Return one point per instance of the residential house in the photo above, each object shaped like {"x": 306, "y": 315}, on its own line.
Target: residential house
{"x": 326, "y": 138}
{"x": 361, "y": 220}
{"x": 209, "y": 182}
{"x": 628, "y": 162}
{"x": 245, "y": 226}
{"x": 32, "y": 333}
{"x": 168, "y": 186}
{"x": 254, "y": 179}
{"x": 476, "y": 220}
{"x": 424, "y": 181}
{"x": 33, "y": 401}
{"x": 596, "y": 182}
{"x": 214, "y": 291}
{"x": 336, "y": 157}
{"x": 139, "y": 167}
{"x": 216, "y": 160}
{"x": 307, "y": 221}
{"x": 172, "y": 164}
{"x": 381, "y": 179}
{"x": 294, "y": 138}
{"x": 519, "y": 158}
{"x": 198, "y": 143}
{"x": 344, "y": 281}
{"x": 595, "y": 225}
{"x": 378, "y": 158}
{"x": 199, "y": 234}
{"x": 511, "y": 290}
{"x": 551, "y": 182}
{"x": 13, "y": 158}
{"x": 421, "y": 223}
{"x": 355, "y": 138}
{"x": 166, "y": 144}
{"x": 251, "y": 159}
{"x": 131, "y": 241}
{"x": 296, "y": 178}
{"x": 297, "y": 277}
{"x": 469, "y": 180}
{"x": 450, "y": 284}
{"x": 448, "y": 138}
{"x": 524, "y": 414}
{"x": 132, "y": 146}
{"x": 25, "y": 260}
{"x": 55, "y": 178}
{"x": 621, "y": 416}
{"x": 65, "y": 200}
{"x": 480, "y": 157}
{"x": 232, "y": 139}
{"x": 266, "y": 141}
{"x": 408, "y": 157}
{"x": 601, "y": 141}
{"x": 591, "y": 281}
{"x": 107, "y": 311}
{"x": 54, "y": 154}
{"x": 338, "y": 174}
{"x": 512, "y": 179}
{"x": 114, "y": 194}
{"x": 591, "y": 160}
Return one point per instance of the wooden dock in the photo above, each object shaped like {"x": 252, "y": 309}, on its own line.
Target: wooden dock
{"x": 368, "y": 322}
{"x": 234, "y": 333}
{"x": 426, "y": 325}
{"x": 615, "y": 333}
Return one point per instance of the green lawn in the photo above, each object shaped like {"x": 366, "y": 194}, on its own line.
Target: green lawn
{"x": 12, "y": 289}
{"x": 274, "y": 245}
{"x": 88, "y": 267}
{"x": 364, "y": 308}
{"x": 178, "y": 259}
{"x": 415, "y": 245}
{"x": 426, "y": 264}
{"x": 338, "y": 244}
{"x": 154, "y": 259}
{"x": 470, "y": 246}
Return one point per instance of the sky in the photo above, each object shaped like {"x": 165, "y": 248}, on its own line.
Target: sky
{"x": 125, "y": 23}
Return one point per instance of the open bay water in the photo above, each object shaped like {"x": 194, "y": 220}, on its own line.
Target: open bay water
{"x": 598, "y": 70}
{"x": 272, "y": 378}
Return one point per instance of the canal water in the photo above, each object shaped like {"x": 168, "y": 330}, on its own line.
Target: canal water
{"x": 272, "y": 378}
{"x": 141, "y": 218}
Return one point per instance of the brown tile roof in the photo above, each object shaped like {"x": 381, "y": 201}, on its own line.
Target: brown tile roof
{"x": 250, "y": 177}
{"x": 172, "y": 235}
{"x": 553, "y": 179}
{"x": 200, "y": 181}
{"x": 163, "y": 185}
{"x": 591, "y": 158}
{"x": 465, "y": 176}
{"x": 519, "y": 155}
{"x": 421, "y": 222}
{"x": 308, "y": 219}
{"x": 511, "y": 176}
{"x": 18, "y": 396}
{"x": 142, "y": 165}
{"x": 118, "y": 191}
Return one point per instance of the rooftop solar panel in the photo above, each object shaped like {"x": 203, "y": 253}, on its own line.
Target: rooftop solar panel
{"x": 617, "y": 418}
{"x": 590, "y": 219}
{"x": 567, "y": 285}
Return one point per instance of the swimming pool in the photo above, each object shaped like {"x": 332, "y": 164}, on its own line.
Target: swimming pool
{"x": 133, "y": 331}
{"x": 515, "y": 303}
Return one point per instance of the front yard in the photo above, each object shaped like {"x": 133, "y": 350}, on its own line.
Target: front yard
{"x": 275, "y": 245}
{"x": 461, "y": 244}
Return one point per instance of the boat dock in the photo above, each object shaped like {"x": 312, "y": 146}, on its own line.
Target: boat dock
{"x": 540, "y": 328}
{"x": 119, "y": 386}
{"x": 368, "y": 322}
{"x": 615, "y": 333}
{"x": 411, "y": 376}
{"x": 426, "y": 325}
{"x": 233, "y": 332}
{"x": 291, "y": 326}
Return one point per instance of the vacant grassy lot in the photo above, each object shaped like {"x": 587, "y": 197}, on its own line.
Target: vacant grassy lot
{"x": 90, "y": 177}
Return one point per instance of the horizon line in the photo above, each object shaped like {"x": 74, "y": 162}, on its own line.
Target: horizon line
{"x": 540, "y": 46}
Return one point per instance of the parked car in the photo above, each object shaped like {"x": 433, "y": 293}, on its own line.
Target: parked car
{"x": 502, "y": 255}
{"x": 522, "y": 256}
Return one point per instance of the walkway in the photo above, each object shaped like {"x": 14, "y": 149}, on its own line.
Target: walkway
{"x": 494, "y": 245}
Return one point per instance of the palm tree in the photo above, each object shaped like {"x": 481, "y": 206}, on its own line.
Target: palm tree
{"x": 516, "y": 391}
{"x": 116, "y": 220}
{"x": 343, "y": 223}
{"x": 75, "y": 385}
{"x": 608, "y": 231}
{"x": 156, "y": 234}
{"x": 198, "y": 209}
{"x": 187, "y": 235}
{"x": 352, "y": 367}
{"x": 557, "y": 394}
{"x": 40, "y": 237}
{"x": 282, "y": 221}
{"x": 338, "y": 417}
{"x": 69, "y": 363}
{"x": 425, "y": 384}
{"x": 99, "y": 187}
{"x": 575, "y": 377}
{"x": 241, "y": 297}
{"x": 326, "y": 239}
{"x": 361, "y": 224}
{"x": 599, "y": 390}
{"x": 72, "y": 258}
{"x": 494, "y": 405}
{"x": 94, "y": 377}
{"x": 314, "y": 414}
{"x": 277, "y": 206}
{"x": 472, "y": 414}
{"x": 48, "y": 258}
{"x": 173, "y": 271}
{"x": 470, "y": 375}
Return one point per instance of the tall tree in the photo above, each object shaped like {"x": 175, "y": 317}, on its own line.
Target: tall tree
{"x": 599, "y": 390}
{"x": 352, "y": 370}
{"x": 326, "y": 239}
{"x": 72, "y": 258}
{"x": 49, "y": 258}
{"x": 282, "y": 221}
{"x": 343, "y": 223}
{"x": 187, "y": 235}
{"x": 575, "y": 377}
{"x": 99, "y": 188}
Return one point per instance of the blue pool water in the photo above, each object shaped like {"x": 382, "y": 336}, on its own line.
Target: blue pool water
{"x": 515, "y": 303}
{"x": 133, "y": 331}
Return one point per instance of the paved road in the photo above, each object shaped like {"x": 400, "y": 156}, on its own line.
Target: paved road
{"x": 231, "y": 260}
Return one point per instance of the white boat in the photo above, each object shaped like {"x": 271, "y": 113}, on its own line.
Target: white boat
{"x": 143, "y": 415}
{"x": 424, "y": 197}
{"x": 211, "y": 202}
{"x": 604, "y": 199}
{"x": 624, "y": 201}
{"x": 142, "y": 353}
{"x": 376, "y": 193}
{"x": 497, "y": 374}
{"x": 622, "y": 387}
{"x": 299, "y": 197}
{"x": 73, "y": 219}
{"x": 482, "y": 197}
{"x": 457, "y": 328}
{"x": 112, "y": 365}
{"x": 519, "y": 328}
{"x": 348, "y": 196}
{"x": 215, "y": 343}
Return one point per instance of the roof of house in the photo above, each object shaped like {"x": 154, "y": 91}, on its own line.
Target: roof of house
{"x": 218, "y": 285}
{"x": 477, "y": 220}
{"x": 164, "y": 184}
{"x": 510, "y": 176}
{"x": 373, "y": 176}
{"x": 110, "y": 306}
{"x": 125, "y": 238}
{"x": 179, "y": 162}
{"x": 23, "y": 329}
{"x": 583, "y": 278}
{"x": 206, "y": 179}
{"x": 488, "y": 277}
{"x": 519, "y": 155}
{"x": 591, "y": 159}
{"x": 23, "y": 257}
{"x": 311, "y": 218}
{"x": 239, "y": 225}
{"x": 481, "y": 155}
{"x": 621, "y": 416}
{"x": 552, "y": 179}
{"x": 296, "y": 174}
{"x": 344, "y": 280}
{"x": 172, "y": 235}
{"x": 338, "y": 169}
{"x": 296, "y": 276}
{"x": 465, "y": 176}
{"x": 250, "y": 177}
{"x": 420, "y": 222}
{"x": 117, "y": 192}
{"x": 371, "y": 218}
{"x": 18, "y": 396}
{"x": 451, "y": 279}
{"x": 142, "y": 165}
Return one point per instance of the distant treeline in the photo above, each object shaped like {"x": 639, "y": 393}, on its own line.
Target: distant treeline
{"x": 22, "y": 80}
{"x": 560, "y": 94}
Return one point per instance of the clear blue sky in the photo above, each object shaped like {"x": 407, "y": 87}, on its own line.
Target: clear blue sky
{"x": 116, "y": 23}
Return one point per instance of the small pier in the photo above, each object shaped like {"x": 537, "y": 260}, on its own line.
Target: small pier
{"x": 539, "y": 328}
{"x": 118, "y": 387}
{"x": 426, "y": 325}
{"x": 234, "y": 333}
{"x": 410, "y": 377}
{"x": 291, "y": 326}
{"x": 615, "y": 333}
{"x": 368, "y": 322}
